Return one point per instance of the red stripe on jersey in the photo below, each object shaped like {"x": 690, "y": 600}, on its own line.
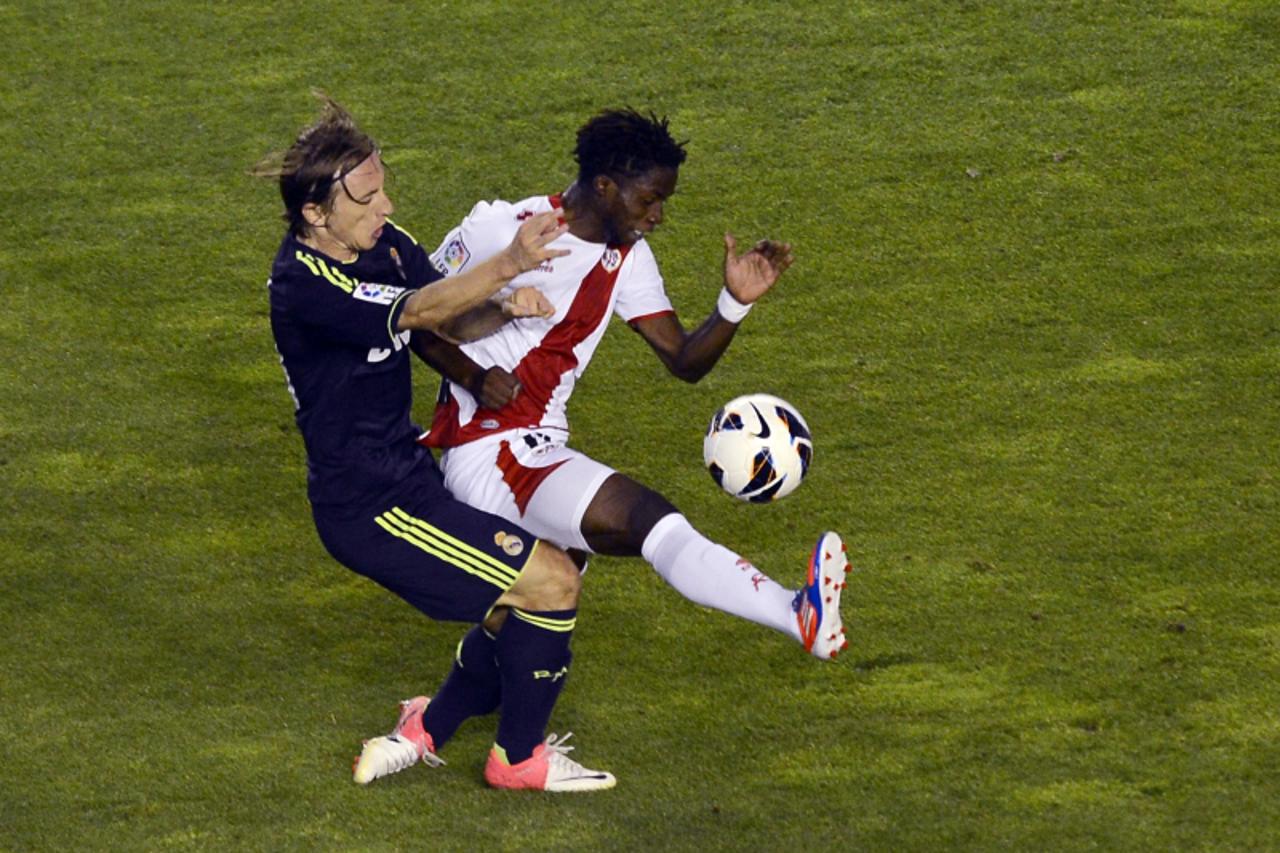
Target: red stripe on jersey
{"x": 522, "y": 481}
{"x": 540, "y": 370}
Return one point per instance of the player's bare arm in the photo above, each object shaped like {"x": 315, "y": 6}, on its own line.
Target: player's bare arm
{"x": 491, "y": 314}
{"x": 691, "y": 355}
{"x": 433, "y": 306}
{"x": 492, "y": 387}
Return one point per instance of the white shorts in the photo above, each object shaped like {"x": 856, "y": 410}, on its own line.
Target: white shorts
{"x": 530, "y": 477}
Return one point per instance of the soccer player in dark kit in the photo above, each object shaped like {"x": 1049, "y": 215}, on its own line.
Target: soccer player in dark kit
{"x": 347, "y": 289}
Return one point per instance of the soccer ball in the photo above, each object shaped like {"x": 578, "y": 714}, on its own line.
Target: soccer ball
{"x": 757, "y": 448}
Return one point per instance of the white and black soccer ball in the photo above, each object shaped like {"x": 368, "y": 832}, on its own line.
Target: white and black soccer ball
{"x": 758, "y": 448}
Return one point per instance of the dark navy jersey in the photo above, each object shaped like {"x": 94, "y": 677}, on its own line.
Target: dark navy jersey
{"x": 348, "y": 368}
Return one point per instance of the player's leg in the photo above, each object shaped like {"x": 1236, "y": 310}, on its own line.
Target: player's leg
{"x": 548, "y": 584}
{"x": 471, "y": 689}
{"x": 573, "y": 500}
{"x": 533, "y": 658}
{"x": 423, "y": 552}
{"x": 483, "y": 474}
{"x": 532, "y": 648}
{"x": 626, "y": 518}
{"x": 520, "y": 658}
{"x": 568, "y": 498}
{"x": 447, "y": 560}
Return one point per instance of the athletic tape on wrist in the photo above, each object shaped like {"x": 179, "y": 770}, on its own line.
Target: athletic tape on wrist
{"x": 730, "y": 308}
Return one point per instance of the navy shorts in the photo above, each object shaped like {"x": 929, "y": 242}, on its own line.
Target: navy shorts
{"x": 448, "y": 559}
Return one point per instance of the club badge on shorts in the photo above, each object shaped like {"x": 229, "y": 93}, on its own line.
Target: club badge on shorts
{"x": 511, "y": 544}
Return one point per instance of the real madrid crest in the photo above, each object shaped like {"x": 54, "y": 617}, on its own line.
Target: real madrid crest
{"x": 511, "y": 544}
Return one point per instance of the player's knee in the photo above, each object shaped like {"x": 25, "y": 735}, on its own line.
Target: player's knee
{"x": 557, "y": 582}
{"x": 564, "y": 583}
{"x": 648, "y": 509}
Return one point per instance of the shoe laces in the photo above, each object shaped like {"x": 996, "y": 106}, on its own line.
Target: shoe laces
{"x": 557, "y": 755}
{"x": 555, "y": 743}
{"x": 397, "y": 752}
{"x": 427, "y": 757}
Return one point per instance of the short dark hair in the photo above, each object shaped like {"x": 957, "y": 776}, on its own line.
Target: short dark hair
{"x": 318, "y": 161}
{"x": 625, "y": 143}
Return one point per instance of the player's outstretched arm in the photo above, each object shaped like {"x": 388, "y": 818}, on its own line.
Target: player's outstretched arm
{"x": 691, "y": 355}
{"x": 431, "y": 307}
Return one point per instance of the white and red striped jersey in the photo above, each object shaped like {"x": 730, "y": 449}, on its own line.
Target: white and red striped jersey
{"x": 546, "y": 355}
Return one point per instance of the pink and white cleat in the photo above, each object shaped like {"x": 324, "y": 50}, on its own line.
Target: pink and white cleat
{"x": 549, "y": 769}
{"x": 817, "y": 604}
{"x": 407, "y": 744}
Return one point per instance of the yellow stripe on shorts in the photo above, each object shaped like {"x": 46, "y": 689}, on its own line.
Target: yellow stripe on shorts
{"x": 545, "y": 623}
{"x": 448, "y": 548}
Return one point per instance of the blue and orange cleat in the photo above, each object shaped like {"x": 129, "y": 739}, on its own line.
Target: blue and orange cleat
{"x": 817, "y": 604}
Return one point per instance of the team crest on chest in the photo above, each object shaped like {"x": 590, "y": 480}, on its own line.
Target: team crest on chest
{"x": 611, "y": 260}
{"x": 395, "y": 256}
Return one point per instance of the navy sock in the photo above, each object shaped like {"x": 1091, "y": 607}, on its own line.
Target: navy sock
{"x": 533, "y": 660}
{"x": 472, "y": 688}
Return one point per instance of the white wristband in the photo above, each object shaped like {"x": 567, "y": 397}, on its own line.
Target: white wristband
{"x": 730, "y": 308}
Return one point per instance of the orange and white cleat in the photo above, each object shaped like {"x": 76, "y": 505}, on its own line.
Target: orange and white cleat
{"x": 549, "y": 769}
{"x": 817, "y": 605}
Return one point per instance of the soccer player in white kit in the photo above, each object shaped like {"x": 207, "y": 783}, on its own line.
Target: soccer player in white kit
{"x": 501, "y": 422}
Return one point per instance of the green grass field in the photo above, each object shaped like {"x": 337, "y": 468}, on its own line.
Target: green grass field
{"x": 1034, "y": 324}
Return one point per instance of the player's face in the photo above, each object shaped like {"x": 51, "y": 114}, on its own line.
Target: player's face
{"x": 358, "y": 212}
{"x": 633, "y": 207}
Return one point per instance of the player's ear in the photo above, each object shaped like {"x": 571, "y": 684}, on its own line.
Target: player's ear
{"x": 605, "y": 186}
{"x": 314, "y": 214}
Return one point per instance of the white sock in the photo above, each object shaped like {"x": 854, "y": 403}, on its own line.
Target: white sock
{"x": 713, "y": 576}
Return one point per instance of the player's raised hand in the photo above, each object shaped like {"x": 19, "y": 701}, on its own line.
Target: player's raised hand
{"x": 527, "y": 302}
{"x": 750, "y": 275}
{"x": 529, "y": 248}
